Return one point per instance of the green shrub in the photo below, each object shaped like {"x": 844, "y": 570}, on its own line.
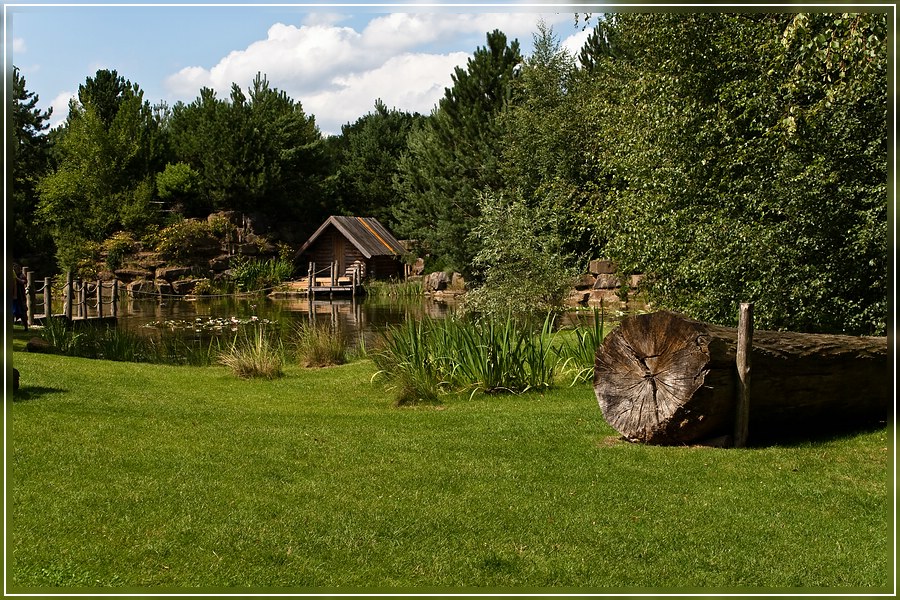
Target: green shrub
{"x": 420, "y": 359}
{"x": 251, "y": 274}
{"x": 185, "y": 239}
{"x": 117, "y": 247}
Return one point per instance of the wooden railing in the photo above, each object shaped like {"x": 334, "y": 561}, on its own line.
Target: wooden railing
{"x": 82, "y": 299}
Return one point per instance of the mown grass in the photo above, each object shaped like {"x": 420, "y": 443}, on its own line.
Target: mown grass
{"x": 127, "y": 476}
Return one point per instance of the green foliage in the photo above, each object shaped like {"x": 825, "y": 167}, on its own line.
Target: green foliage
{"x": 454, "y": 156}
{"x": 394, "y": 290}
{"x": 254, "y": 354}
{"x": 367, "y": 155}
{"x": 178, "y": 184}
{"x": 106, "y": 158}
{"x": 521, "y": 261}
{"x": 254, "y": 275}
{"x": 421, "y": 359}
{"x": 117, "y": 247}
{"x": 30, "y": 161}
{"x": 186, "y": 239}
{"x": 253, "y": 152}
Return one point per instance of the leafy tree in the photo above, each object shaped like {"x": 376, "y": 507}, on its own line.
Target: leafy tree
{"x": 454, "y": 157}
{"x": 747, "y": 156}
{"x": 30, "y": 161}
{"x": 367, "y": 156}
{"x": 104, "y": 181}
{"x": 521, "y": 259}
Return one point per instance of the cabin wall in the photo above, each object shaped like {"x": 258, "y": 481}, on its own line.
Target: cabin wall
{"x": 321, "y": 252}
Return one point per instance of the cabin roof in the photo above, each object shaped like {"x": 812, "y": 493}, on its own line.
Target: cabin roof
{"x": 368, "y": 236}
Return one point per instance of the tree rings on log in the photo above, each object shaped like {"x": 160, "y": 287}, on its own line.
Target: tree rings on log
{"x": 662, "y": 378}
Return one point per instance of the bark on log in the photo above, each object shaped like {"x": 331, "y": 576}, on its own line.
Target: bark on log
{"x": 663, "y": 378}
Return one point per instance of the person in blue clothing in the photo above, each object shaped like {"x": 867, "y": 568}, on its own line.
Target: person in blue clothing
{"x": 17, "y": 289}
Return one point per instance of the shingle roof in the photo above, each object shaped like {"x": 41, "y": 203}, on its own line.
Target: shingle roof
{"x": 368, "y": 236}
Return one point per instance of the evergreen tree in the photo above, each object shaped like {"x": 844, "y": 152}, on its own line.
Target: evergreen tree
{"x": 30, "y": 161}
{"x": 455, "y": 156}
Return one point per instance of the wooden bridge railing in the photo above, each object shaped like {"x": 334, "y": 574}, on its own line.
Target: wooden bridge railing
{"x": 82, "y": 299}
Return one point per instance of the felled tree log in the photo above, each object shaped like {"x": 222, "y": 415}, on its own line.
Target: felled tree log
{"x": 662, "y": 378}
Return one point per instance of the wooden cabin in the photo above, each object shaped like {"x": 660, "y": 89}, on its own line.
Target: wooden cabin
{"x": 355, "y": 240}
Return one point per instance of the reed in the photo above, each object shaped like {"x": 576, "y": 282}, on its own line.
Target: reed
{"x": 320, "y": 345}
{"x": 254, "y": 354}
{"x": 395, "y": 290}
{"x": 579, "y": 350}
{"x": 421, "y": 359}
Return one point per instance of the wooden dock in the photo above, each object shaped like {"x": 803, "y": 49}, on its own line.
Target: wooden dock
{"x": 328, "y": 281}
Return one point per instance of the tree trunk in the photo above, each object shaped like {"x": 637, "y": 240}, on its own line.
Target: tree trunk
{"x": 663, "y": 378}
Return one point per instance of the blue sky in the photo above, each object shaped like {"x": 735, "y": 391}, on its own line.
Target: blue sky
{"x": 335, "y": 60}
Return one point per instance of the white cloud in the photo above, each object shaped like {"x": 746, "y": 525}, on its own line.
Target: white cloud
{"x": 337, "y": 72}
{"x": 60, "y": 105}
{"x": 18, "y": 45}
{"x": 575, "y": 42}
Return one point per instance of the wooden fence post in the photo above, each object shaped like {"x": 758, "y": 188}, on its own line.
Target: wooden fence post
{"x": 82, "y": 298}
{"x": 742, "y": 359}
{"x": 70, "y": 295}
{"x": 114, "y": 301}
{"x": 99, "y": 299}
{"x": 312, "y": 280}
{"x": 48, "y": 300}
{"x": 29, "y": 297}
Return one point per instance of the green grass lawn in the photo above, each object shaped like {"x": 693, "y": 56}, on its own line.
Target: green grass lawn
{"x": 147, "y": 476}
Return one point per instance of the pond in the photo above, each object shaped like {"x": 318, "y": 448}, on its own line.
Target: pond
{"x": 358, "y": 318}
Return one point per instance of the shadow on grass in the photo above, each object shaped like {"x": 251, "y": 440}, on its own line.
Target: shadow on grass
{"x": 814, "y": 433}
{"x": 27, "y": 393}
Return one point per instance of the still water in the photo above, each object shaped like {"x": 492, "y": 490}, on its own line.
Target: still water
{"x": 359, "y": 319}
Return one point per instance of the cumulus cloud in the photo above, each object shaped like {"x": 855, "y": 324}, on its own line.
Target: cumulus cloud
{"x": 337, "y": 72}
{"x": 18, "y": 45}
{"x": 60, "y": 105}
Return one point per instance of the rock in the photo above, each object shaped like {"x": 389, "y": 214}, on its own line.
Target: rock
{"x": 142, "y": 288}
{"x": 604, "y": 296}
{"x": 606, "y": 281}
{"x": 172, "y": 273}
{"x": 585, "y": 282}
{"x": 577, "y": 297}
{"x": 248, "y": 249}
{"x": 131, "y": 274}
{"x": 436, "y": 282}
{"x": 163, "y": 287}
{"x": 635, "y": 280}
{"x": 602, "y": 267}
{"x": 185, "y": 287}
{"x": 457, "y": 282}
{"x": 220, "y": 263}
{"x": 39, "y": 346}
{"x": 418, "y": 267}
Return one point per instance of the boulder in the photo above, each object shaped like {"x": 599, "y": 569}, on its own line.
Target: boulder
{"x": 220, "y": 263}
{"x": 39, "y": 346}
{"x": 436, "y": 282}
{"x": 606, "y": 281}
{"x": 458, "y": 282}
{"x": 602, "y": 267}
{"x": 635, "y": 281}
{"x": 172, "y": 273}
{"x": 130, "y": 274}
{"x": 577, "y": 297}
{"x": 163, "y": 287}
{"x": 585, "y": 282}
{"x": 185, "y": 287}
{"x": 142, "y": 288}
{"x": 418, "y": 267}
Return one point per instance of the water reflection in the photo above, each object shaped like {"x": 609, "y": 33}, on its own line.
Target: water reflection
{"x": 358, "y": 318}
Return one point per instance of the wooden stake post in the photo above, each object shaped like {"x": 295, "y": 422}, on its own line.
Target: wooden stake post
{"x": 742, "y": 361}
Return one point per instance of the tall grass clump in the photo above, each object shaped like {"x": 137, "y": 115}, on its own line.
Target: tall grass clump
{"x": 420, "y": 359}
{"x": 395, "y": 290}
{"x": 580, "y": 350}
{"x": 320, "y": 345}
{"x": 254, "y": 354}
{"x": 249, "y": 275}
{"x": 406, "y": 362}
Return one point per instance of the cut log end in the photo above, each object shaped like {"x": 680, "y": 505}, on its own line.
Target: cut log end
{"x": 662, "y": 378}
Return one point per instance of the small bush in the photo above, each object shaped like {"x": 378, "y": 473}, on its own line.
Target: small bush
{"x": 250, "y": 275}
{"x": 254, "y": 355}
{"x": 185, "y": 239}
{"x": 117, "y": 247}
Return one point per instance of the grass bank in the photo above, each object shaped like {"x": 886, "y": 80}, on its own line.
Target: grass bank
{"x": 150, "y": 476}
